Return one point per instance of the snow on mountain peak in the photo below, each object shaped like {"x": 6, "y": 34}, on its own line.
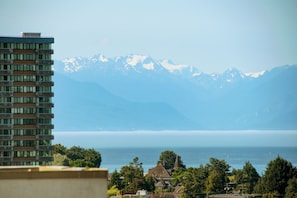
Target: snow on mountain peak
{"x": 99, "y": 58}
{"x": 172, "y": 67}
{"x": 72, "y": 64}
{"x": 135, "y": 59}
{"x": 255, "y": 74}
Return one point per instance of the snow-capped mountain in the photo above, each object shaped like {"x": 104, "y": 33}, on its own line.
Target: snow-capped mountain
{"x": 138, "y": 92}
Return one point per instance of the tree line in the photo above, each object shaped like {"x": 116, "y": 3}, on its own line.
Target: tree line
{"x": 215, "y": 177}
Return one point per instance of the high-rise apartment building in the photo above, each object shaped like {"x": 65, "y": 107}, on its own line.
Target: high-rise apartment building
{"x": 26, "y": 100}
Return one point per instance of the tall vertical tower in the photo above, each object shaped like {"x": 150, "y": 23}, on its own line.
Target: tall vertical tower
{"x": 26, "y": 100}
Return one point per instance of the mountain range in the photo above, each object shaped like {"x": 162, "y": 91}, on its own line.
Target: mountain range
{"x": 136, "y": 92}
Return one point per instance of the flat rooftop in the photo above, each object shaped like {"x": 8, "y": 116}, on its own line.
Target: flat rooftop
{"x": 52, "y": 172}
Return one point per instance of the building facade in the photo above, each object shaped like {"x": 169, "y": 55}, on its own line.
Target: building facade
{"x": 26, "y": 100}
{"x": 51, "y": 181}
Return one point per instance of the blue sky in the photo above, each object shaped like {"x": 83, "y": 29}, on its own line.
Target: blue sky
{"x": 213, "y": 35}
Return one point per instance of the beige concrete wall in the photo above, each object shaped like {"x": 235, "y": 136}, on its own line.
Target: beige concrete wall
{"x": 53, "y": 182}
{"x": 50, "y": 188}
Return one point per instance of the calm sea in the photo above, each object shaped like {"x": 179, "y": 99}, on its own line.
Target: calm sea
{"x": 115, "y": 158}
{"x": 195, "y": 147}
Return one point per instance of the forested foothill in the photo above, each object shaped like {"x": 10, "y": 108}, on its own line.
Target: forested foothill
{"x": 215, "y": 177}
{"x": 171, "y": 178}
{"x": 76, "y": 156}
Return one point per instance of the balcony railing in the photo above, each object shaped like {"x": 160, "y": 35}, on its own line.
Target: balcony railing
{"x": 6, "y": 94}
{"x": 6, "y": 83}
{"x": 24, "y": 148}
{"x": 47, "y": 94}
{"x": 7, "y": 105}
{"x": 5, "y": 126}
{"x": 6, "y": 148}
{"x": 45, "y": 73}
{"x": 44, "y": 148}
{"x": 20, "y": 126}
{"x": 44, "y": 51}
{"x": 24, "y": 159}
{"x": 45, "y": 84}
{"x": 45, "y": 115}
{"x": 45, "y": 126}
{"x": 5, "y": 72}
{"x": 45, "y": 62}
{"x": 6, "y": 115}
{"x": 6, "y": 158}
{"x": 5, "y": 137}
{"x": 45, "y": 158}
{"x": 45, "y": 104}
{"x": 44, "y": 137}
{"x": 24, "y": 137}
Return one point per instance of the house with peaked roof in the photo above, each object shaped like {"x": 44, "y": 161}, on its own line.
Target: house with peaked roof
{"x": 161, "y": 177}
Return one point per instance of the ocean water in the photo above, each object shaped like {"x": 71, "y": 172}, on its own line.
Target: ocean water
{"x": 115, "y": 158}
{"x": 118, "y": 148}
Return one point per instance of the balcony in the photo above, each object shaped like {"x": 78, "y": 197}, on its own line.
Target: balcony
{"x": 6, "y": 158}
{"x": 23, "y": 94}
{"x": 20, "y": 105}
{"x": 5, "y": 105}
{"x": 45, "y": 115}
{"x": 44, "y": 137}
{"x": 45, "y": 104}
{"x": 6, "y": 83}
{"x": 45, "y": 73}
{"x": 44, "y": 51}
{"x": 24, "y": 137}
{"x": 24, "y": 115}
{"x": 20, "y": 126}
{"x": 45, "y": 126}
{"x": 6, "y": 72}
{"x": 45, "y": 84}
{"x": 24, "y": 148}
{"x": 5, "y": 126}
{"x": 44, "y": 148}
{"x": 23, "y": 51}
{"x": 6, "y": 94}
{"x": 24, "y": 62}
{"x": 24, "y": 159}
{"x": 44, "y": 62}
{"x": 6, "y": 50}
{"x": 20, "y": 72}
{"x": 48, "y": 94}
{"x": 5, "y": 115}
{"x": 6, "y": 62}
{"x": 6, "y": 137}
{"x": 31, "y": 84}
{"x": 45, "y": 158}
{"x": 6, "y": 148}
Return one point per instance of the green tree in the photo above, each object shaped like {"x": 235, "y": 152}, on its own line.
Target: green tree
{"x": 60, "y": 160}
{"x": 75, "y": 152}
{"x": 115, "y": 180}
{"x": 168, "y": 159}
{"x": 193, "y": 181}
{"x": 291, "y": 189}
{"x": 250, "y": 176}
{"x": 76, "y": 156}
{"x": 59, "y": 148}
{"x": 149, "y": 183}
{"x": 113, "y": 191}
{"x": 132, "y": 176}
{"x": 92, "y": 158}
{"x": 275, "y": 179}
{"x": 218, "y": 171}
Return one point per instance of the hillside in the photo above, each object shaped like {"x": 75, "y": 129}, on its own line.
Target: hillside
{"x": 139, "y": 93}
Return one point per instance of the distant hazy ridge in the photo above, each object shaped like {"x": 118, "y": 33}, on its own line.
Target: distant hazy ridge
{"x": 136, "y": 92}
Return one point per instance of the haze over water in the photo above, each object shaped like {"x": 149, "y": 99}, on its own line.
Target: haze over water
{"x": 113, "y": 139}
